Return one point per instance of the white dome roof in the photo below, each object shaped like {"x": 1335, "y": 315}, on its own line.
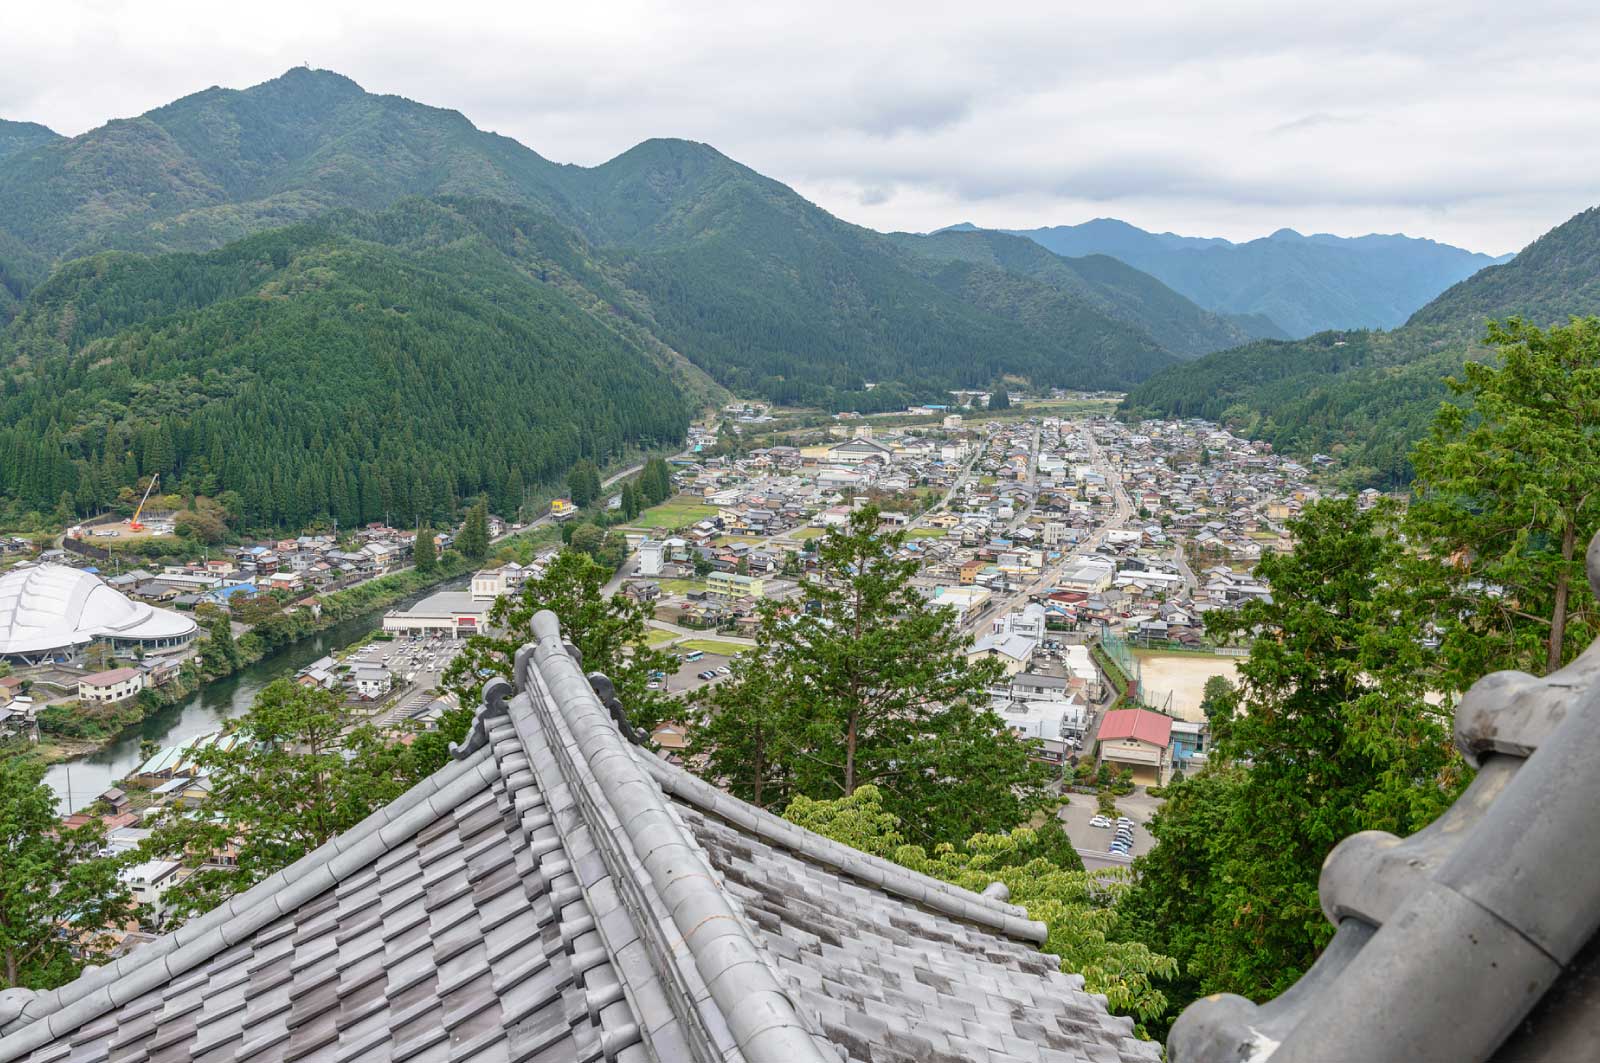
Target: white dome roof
{"x": 51, "y": 607}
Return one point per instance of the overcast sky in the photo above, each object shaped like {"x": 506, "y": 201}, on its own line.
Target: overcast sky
{"x": 1469, "y": 122}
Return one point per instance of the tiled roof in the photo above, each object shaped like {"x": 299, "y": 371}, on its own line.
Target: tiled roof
{"x": 1142, "y": 724}
{"x": 1473, "y": 939}
{"x": 556, "y": 893}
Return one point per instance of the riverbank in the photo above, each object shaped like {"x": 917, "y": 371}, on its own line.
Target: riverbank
{"x": 72, "y": 730}
{"x": 79, "y": 779}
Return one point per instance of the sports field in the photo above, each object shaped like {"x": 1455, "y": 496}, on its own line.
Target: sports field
{"x": 1184, "y": 675}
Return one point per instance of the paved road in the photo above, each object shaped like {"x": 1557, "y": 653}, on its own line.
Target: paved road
{"x": 981, "y": 448}
{"x": 691, "y": 633}
{"x": 546, "y": 519}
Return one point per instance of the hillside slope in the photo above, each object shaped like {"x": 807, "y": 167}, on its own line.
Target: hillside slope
{"x": 1305, "y": 284}
{"x": 1098, "y": 281}
{"x": 368, "y": 367}
{"x": 1367, "y": 396}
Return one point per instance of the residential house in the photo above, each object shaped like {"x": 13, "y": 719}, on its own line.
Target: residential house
{"x": 117, "y": 684}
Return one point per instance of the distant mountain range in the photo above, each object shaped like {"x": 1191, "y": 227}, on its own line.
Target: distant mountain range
{"x": 1304, "y": 284}
{"x": 666, "y": 275}
{"x": 1367, "y": 396}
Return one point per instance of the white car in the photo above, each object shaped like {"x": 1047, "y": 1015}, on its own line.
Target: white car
{"x": 1099, "y": 821}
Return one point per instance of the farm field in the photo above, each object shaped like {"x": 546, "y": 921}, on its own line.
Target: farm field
{"x": 678, "y": 512}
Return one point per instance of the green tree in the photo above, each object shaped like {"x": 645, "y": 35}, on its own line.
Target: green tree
{"x": 1332, "y": 717}
{"x": 583, "y": 483}
{"x": 632, "y": 500}
{"x": 999, "y": 397}
{"x": 878, "y": 690}
{"x": 219, "y": 655}
{"x": 58, "y": 898}
{"x": 1078, "y": 908}
{"x": 1507, "y": 496}
{"x": 297, "y": 776}
{"x": 473, "y": 542}
{"x": 613, "y": 551}
{"x": 588, "y": 538}
{"x": 1218, "y": 701}
{"x": 425, "y": 555}
{"x": 655, "y": 482}
{"x": 609, "y": 632}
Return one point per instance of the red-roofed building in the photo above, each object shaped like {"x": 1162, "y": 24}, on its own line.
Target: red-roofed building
{"x": 1139, "y": 740}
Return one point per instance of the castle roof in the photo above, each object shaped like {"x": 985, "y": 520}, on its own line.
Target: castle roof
{"x": 558, "y": 893}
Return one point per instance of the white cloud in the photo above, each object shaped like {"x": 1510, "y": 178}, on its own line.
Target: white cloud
{"x": 1470, "y": 122}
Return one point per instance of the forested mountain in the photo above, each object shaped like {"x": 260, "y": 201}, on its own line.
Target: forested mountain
{"x": 361, "y": 366}
{"x": 1097, "y": 281}
{"x": 20, "y": 136}
{"x": 1369, "y": 395}
{"x": 762, "y": 289}
{"x": 1304, "y": 284}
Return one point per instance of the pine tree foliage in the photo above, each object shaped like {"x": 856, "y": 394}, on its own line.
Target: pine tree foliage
{"x": 868, "y": 684}
{"x": 608, "y": 630}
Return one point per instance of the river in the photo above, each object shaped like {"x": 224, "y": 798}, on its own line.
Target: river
{"x": 80, "y": 780}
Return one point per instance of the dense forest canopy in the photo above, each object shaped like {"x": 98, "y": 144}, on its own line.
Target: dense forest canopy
{"x": 363, "y": 368}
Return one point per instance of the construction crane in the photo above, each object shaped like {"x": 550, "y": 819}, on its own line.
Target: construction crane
{"x": 133, "y": 524}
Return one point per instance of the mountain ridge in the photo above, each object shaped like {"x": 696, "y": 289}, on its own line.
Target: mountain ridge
{"x": 1368, "y": 395}
{"x": 1303, "y": 283}
{"x": 756, "y": 285}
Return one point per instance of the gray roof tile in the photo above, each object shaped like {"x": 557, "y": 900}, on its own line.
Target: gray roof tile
{"x": 556, "y": 894}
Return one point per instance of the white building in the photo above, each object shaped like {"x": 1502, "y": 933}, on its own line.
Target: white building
{"x": 371, "y": 681}
{"x": 148, "y": 883}
{"x": 1027, "y": 622}
{"x": 651, "y": 554}
{"x": 116, "y": 685}
{"x": 1013, "y": 651}
{"x": 453, "y": 614}
{"x": 52, "y": 612}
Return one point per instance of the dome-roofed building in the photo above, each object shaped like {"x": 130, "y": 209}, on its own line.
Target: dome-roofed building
{"x": 52, "y": 612}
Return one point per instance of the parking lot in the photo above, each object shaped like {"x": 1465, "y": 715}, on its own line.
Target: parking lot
{"x": 1081, "y": 808}
{"x": 687, "y": 677}
{"x": 416, "y": 664}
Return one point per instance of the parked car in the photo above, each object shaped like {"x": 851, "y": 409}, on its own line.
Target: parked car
{"x": 1099, "y": 821}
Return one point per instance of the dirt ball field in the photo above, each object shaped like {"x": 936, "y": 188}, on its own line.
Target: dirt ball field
{"x": 1185, "y": 676}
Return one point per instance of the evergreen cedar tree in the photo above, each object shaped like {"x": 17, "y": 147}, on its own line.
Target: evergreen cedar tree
{"x": 867, "y": 683}
{"x": 425, "y": 556}
{"x": 473, "y": 542}
{"x": 583, "y": 483}
{"x": 609, "y": 631}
